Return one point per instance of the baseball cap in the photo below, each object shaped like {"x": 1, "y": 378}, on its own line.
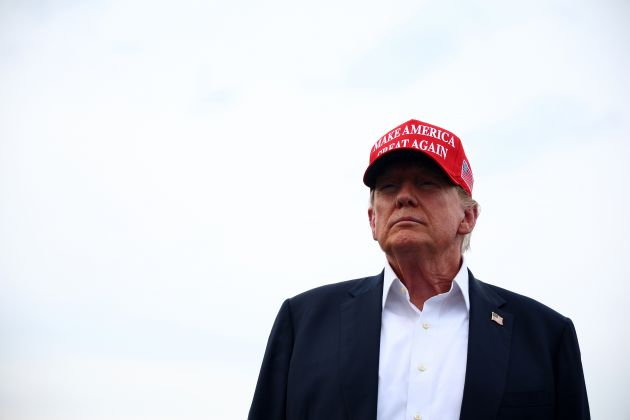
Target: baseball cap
{"x": 414, "y": 136}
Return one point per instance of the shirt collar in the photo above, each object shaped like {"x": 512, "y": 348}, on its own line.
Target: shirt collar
{"x": 460, "y": 282}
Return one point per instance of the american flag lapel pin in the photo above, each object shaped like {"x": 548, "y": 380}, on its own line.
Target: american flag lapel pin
{"x": 497, "y": 318}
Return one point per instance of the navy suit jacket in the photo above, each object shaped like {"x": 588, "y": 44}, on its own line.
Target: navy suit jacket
{"x": 321, "y": 361}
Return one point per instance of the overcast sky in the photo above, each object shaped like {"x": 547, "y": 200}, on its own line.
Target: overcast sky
{"x": 171, "y": 172}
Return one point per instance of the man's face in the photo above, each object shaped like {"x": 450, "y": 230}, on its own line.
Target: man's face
{"x": 417, "y": 209}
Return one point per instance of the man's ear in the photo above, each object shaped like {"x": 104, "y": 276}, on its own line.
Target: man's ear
{"x": 371, "y": 215}
{"x": 470, "y": 219}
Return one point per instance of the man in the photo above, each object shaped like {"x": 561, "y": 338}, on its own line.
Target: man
{"x": 424, "y": 339}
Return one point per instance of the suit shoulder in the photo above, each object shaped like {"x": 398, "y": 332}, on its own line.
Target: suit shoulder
{"x": 326, "y": 299}
{"x": 335, "y": 291}
{"x": 524, "y": 305}
{"x": 319, "y": 307}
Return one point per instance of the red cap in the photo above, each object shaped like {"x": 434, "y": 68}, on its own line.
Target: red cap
{"x": 442, "y": 146}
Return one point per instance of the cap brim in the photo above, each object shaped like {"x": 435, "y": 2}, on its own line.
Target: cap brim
{"x": 397, "y": 156}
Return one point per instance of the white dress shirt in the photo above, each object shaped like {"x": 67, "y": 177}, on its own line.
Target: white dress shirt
{"x": 422, "y": 363}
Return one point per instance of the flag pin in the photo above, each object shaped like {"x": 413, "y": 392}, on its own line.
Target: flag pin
{"x": 496, "y": 318}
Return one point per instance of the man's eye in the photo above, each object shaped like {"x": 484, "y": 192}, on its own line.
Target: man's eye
{"x": 427, "y": 184}
{"x": 386, "y": 187}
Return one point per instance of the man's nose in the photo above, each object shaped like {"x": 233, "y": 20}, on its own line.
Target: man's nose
{"x": 406, "y": 196}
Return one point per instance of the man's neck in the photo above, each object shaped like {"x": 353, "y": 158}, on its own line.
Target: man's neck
{"x": 425, "y": 276}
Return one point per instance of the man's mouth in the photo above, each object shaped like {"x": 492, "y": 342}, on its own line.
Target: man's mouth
{"x": 407, "y": 219}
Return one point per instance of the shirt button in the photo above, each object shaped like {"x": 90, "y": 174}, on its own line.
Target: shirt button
{"x": 417, "y": 417}
{"x": 426, "y": 325}
{"x": 422, "y": 368}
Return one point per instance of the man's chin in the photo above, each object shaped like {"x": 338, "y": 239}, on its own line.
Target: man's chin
{"x": 403, "y": 244}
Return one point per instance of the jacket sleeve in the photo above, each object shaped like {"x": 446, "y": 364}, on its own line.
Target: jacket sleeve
{"x": 571, "y": 398}
{"x": 269, "y": 401}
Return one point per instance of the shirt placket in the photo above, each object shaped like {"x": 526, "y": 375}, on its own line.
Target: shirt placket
{"x": 420, "y": 371}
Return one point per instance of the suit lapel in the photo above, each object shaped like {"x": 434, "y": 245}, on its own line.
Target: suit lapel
{"x": 360, "y": 337}
{"x": 488, "y": 353}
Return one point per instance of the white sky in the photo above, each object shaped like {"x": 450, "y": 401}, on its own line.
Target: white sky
{"x": 169, "y": 174}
